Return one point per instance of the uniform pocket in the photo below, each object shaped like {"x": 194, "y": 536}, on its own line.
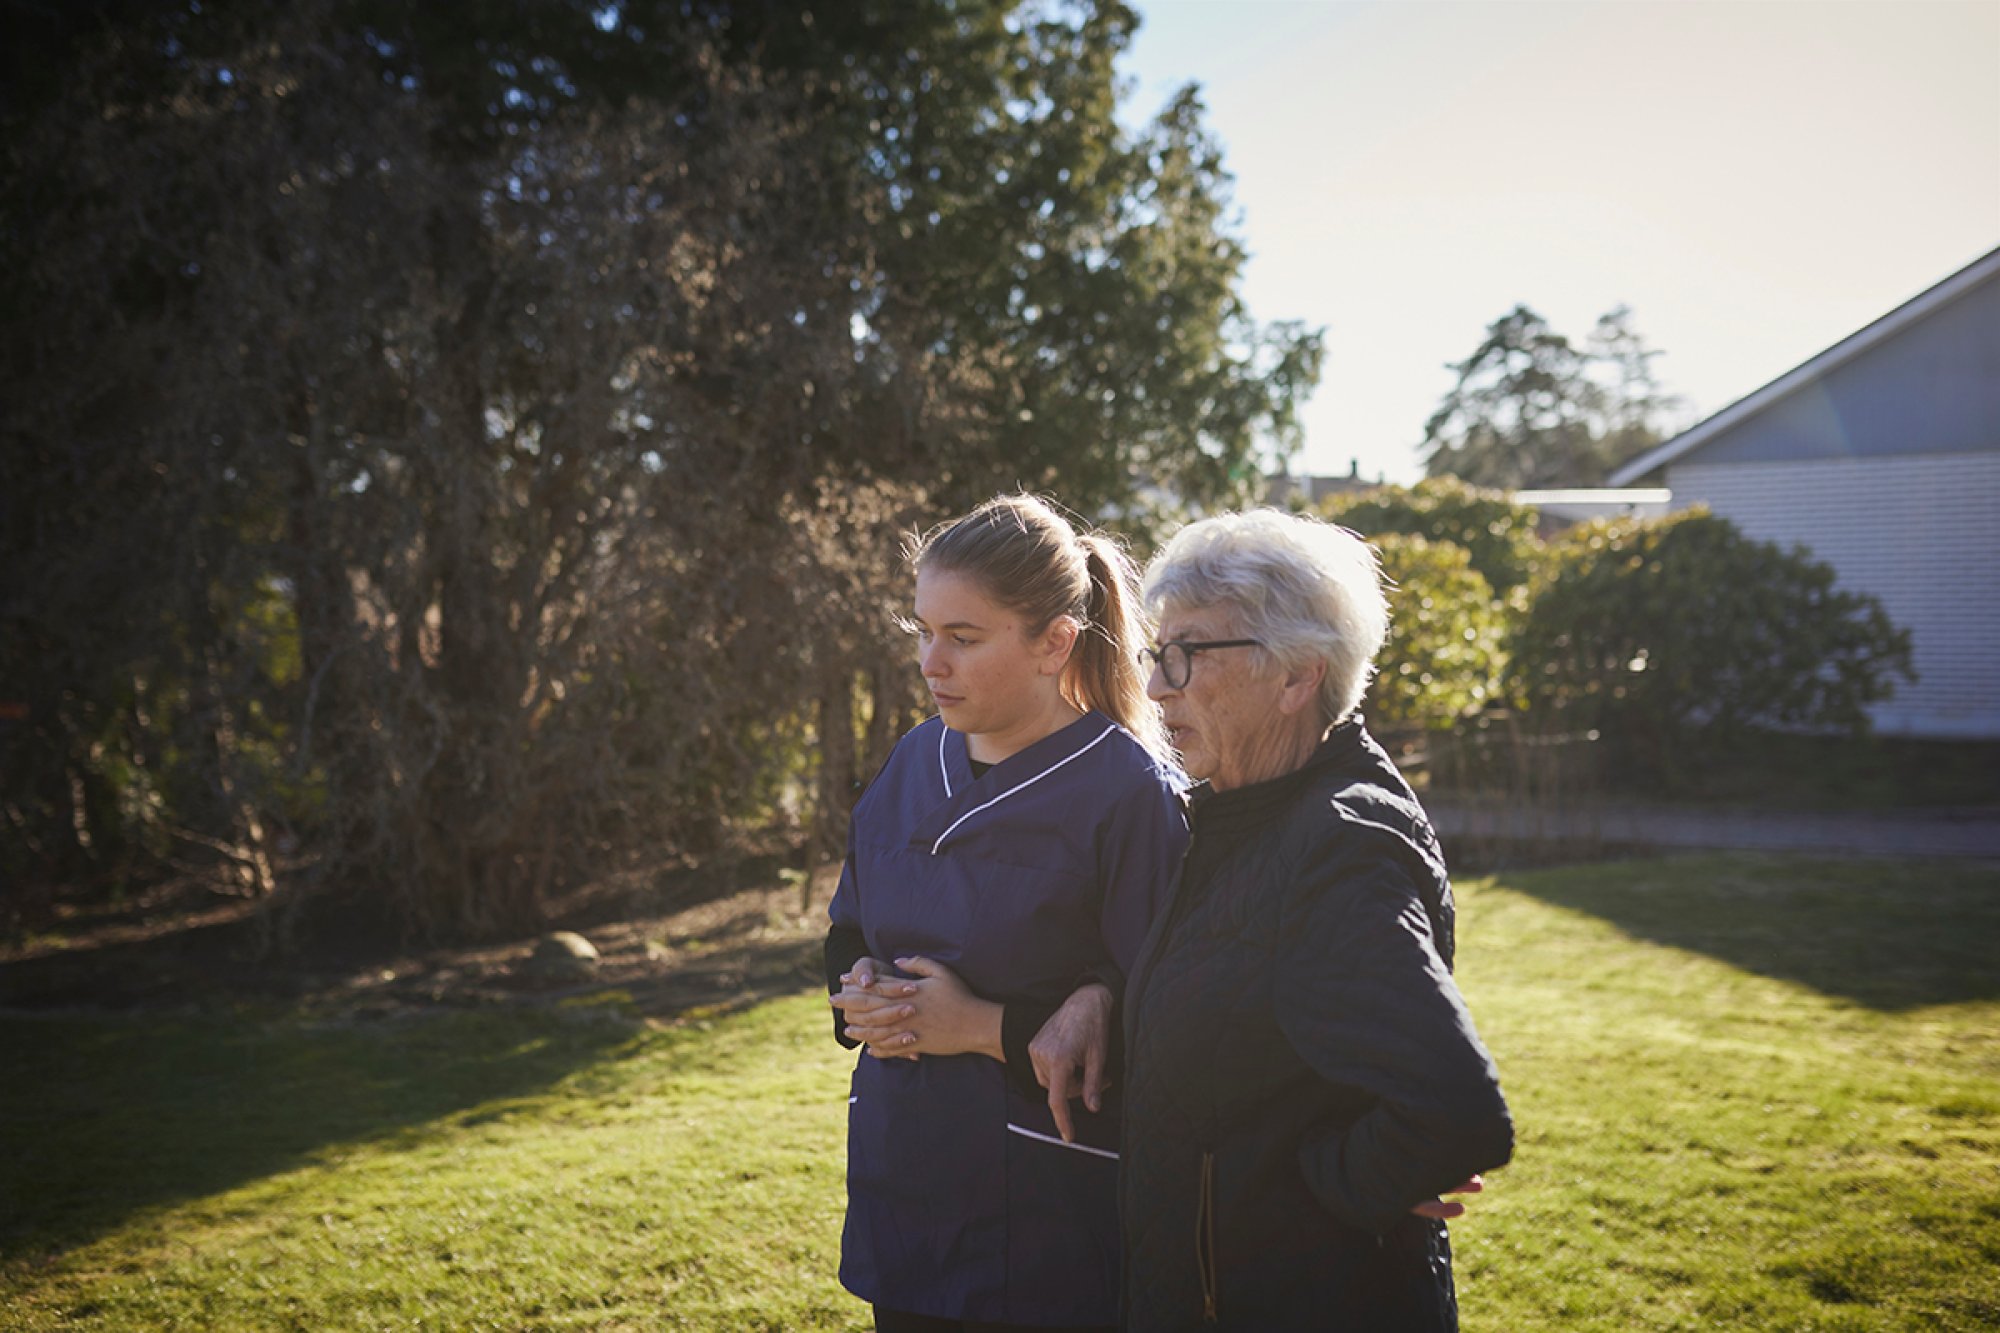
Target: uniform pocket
{"x": 1062, "y": 1208}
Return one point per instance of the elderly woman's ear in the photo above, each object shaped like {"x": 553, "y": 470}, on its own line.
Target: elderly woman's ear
{"x": 1301, "y": 692}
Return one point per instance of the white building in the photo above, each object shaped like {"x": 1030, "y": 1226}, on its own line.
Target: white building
{"x": 1559, "y": 509}
{"x": 1882, "y": 456}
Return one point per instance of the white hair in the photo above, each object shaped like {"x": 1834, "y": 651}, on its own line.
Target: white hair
{"x": 1310, "y": 591}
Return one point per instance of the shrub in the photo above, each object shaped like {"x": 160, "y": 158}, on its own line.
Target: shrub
{"x": 1497, "y": 534}
{"x": 1672, "y": 630}
{"x": 1444, "y": 656}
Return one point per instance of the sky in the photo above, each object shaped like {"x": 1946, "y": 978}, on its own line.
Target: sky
{"x": 1756, "y": 179}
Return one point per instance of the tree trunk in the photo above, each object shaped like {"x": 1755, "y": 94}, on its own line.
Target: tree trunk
{"x": 837, "y": 781}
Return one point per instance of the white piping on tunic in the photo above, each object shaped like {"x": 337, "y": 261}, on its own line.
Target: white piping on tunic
{"x": 1018, "y": 787}
{"x": 1013, "y": 1128}
{"x": 943, "y": 770}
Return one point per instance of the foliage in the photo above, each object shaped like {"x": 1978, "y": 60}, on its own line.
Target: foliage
{"x": 458, "y": 448}
{"x": 1636, "y": 407}
{"x": 1444, "y": 657}
{"x": 1783, "y": 1033}
{"x": 1497, "y": 534}
{"x": 1662, "y": 631}
{"x": 1531, "y": 408}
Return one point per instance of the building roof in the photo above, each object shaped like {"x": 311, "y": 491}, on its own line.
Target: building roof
{"x": 1559, "y": 509}
{"x": 1979, "y": 271}
{"x": 1620, "y": 498}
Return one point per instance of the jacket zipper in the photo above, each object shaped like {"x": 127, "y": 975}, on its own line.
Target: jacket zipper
{"x": 1204, "y": 1239}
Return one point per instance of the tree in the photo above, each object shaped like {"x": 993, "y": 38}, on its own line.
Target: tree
{"x": 1663, "y": 633}
{"x": 1531, "y": 409}
{"x": 1636, "y": 408}
{"x": 461, "y": 448}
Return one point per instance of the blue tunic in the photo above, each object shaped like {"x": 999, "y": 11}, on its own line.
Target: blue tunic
{"x": 962, "y": 1200}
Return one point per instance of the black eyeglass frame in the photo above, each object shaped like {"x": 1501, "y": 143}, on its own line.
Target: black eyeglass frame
{"x": 1161, "y": 655}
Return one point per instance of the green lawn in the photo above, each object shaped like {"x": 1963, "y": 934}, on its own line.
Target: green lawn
{"x": 1751, "y": 1093}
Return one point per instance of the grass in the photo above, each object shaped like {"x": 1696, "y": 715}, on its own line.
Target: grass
{"x": 552, "y": 1171}
{"x": 1752, "y": 1093}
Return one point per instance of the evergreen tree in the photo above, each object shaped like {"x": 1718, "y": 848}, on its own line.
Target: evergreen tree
{"x": 1532, "y": 409}
{"x": 458, "y": 445}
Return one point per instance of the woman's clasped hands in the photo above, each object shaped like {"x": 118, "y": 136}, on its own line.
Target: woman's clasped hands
{"x": 927, "y": 1010}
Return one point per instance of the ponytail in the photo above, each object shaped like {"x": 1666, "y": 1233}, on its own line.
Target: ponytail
{"x": 1103, "y": 670}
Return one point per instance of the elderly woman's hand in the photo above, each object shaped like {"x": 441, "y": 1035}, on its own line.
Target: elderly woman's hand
{"x": 1444, "y": 1211}
{"x": 1075, "y": 1041}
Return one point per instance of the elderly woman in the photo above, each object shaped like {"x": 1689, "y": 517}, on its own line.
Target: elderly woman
{"x": 1301, "y": 1075}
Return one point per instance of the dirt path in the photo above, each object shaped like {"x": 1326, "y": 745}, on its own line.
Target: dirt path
{"x": 696, "y": 946}
{"x": 684, "y": 943}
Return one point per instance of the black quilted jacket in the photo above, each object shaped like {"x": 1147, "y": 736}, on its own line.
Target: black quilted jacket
{"x": 1300, "y": 1069}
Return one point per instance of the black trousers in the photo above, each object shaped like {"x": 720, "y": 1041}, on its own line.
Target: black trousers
{"x": 894, "y": 1321}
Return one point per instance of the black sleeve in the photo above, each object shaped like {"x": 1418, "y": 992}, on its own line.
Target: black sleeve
{"x": 845, "y": 946}
{"x": 1020, "y": 1020}
{"x": 1365, "y": 999}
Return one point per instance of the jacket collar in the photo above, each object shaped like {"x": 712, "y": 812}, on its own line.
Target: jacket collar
{"x": 1242, "y": 807}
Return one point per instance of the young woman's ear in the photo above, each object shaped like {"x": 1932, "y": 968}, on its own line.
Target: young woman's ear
{"x": 1058, "y": 642}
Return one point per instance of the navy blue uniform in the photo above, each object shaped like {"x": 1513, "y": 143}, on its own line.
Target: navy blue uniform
{"x": 963, "y": 1200}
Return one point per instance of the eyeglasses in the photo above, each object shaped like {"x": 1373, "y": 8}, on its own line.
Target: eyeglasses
{"x": 1176, "y": 660}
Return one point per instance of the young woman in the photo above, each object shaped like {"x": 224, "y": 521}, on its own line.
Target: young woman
{"x": 1009, "y": 857}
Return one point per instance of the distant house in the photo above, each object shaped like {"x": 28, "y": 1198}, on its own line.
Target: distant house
{"x": 1882, "y": 455}
{"x": 1559, "y": 509}
{"x": 1280, "y": 488}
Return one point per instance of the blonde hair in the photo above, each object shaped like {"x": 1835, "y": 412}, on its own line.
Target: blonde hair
{"x": 1030, "y": 559}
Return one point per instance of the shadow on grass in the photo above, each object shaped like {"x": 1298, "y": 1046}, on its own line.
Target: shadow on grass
{"x": 107, "y": 1118}
{"x": 185, "y": 960}
{"x": 161, "y": 1059}
{"x": 730, "y": 980}
{"x": 1886, "y": 934}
